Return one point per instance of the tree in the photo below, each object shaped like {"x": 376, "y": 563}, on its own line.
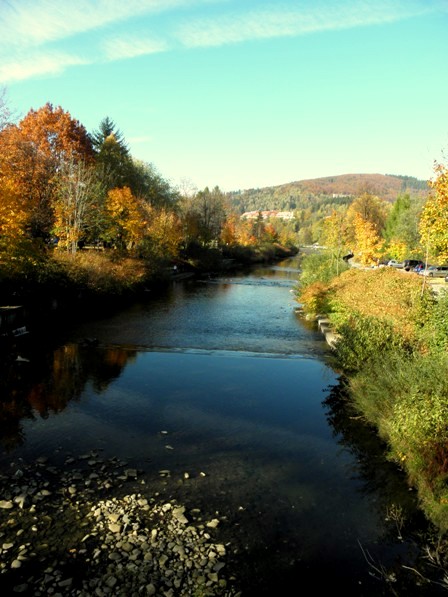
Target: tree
{"x": 112, "y": 156}
{"x": 12, "y": 214}
{"x": 335, "y": 235}
{"x": 148, "y": 184}
{"x": 433, "y": 225}
{"x": 229, "y": 229}
{"x": 75, "y": 205}
{"x": 32, "y": 155}
{"x": 5, "y": 112}
{"x": 401, "y": 228}
{"x": 163, "y": 235}
{"x": 128, "y": 218}
{"x": 207, "y": 211}
{"x": 368, "y": 243}
{"x": 371, "y": 209}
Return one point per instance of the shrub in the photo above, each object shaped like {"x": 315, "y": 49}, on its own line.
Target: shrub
{"x": 405, "y": 396}
{"x": 363, "y": 340}
{"x": 320, "y": 267}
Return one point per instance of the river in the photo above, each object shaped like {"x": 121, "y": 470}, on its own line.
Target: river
{"x": 224, "y": 399}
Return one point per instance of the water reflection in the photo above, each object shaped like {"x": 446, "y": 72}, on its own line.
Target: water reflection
{"x": 243, "y": 392}
{"x": 44, "y": 384}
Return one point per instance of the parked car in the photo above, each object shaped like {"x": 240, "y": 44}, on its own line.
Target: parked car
{"x": 394, "y": 263}
{"x": 435, "y": 271}
{"x": 410, "y": 264}
{"x": 418, "y": 268}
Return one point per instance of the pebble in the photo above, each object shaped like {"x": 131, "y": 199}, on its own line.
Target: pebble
{"x": 127, "y": 545}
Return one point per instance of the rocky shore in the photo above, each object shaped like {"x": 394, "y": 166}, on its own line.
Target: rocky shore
{"x": 92, "y": 527}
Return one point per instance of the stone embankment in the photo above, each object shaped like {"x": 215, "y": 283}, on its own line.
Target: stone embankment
{"x": 75, "y": 531}
{"x": 325, "y": 327}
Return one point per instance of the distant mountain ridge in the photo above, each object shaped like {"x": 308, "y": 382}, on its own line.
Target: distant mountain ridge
{"x": 340, "y": 188}
{"x": 386, "y": 186}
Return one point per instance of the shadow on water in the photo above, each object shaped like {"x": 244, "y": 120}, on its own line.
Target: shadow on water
{"x": 219, "y": 379}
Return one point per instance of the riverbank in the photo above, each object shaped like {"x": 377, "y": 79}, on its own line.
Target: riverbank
{"x": 92, "y": 527}
{"x": 389, "y": 338}
{"x": 87, "y": 283}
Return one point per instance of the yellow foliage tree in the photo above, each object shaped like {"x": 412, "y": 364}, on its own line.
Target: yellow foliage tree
{"x": 164, "y": 233}
{"x": 398, "y": 249}
{"x": 433, "y": 226}
{"x": 128, "y": 218}
{"x": 368, "y": 243}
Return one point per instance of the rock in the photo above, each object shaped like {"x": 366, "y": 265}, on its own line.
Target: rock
{"x": 178, "y": 514}
{"x": 212, "y": 524}
{"x": 6, "y": 504}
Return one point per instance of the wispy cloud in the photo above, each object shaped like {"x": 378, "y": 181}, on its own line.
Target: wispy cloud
{"x": 129, "y": 47}
{"x": 34, "y": 22}
{"x": 50, "y": 63}
{"x": 35, "y": 34}
{"x": 282, "y": 21}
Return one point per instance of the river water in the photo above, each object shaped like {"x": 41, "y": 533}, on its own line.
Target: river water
{"x": 224, "y": 399}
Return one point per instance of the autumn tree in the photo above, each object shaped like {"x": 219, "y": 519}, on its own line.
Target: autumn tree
{"x": 229, "y": 229}
{"x": 77, "y": 208}
{"x": 32, "y": 156}
{"x": 401, "y": 228}
{"x": 368, "y": 242}
{"x": 12, "y": 214}
{"x": 127, "y": 218}
{"x": 336, "y": 235}
{"x": 245, "y": 234}
{"x": 163, "y": 236}
{"x": 371, "y": 209}
{"x": 367, "y": 216}
{"x": 433, "y": 225}
{"x": 206, "y": 212}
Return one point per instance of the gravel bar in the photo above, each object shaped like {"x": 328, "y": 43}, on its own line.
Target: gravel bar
{"x": 76, "y": 531}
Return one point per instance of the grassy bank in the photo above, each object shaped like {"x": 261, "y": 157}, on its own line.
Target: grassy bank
{"x": 393, "y": 358}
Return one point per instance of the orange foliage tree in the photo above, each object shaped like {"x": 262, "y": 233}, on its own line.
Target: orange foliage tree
{"x": 32, "y": 154}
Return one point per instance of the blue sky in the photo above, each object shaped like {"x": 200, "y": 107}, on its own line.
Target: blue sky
{"x": 241, "y": 93}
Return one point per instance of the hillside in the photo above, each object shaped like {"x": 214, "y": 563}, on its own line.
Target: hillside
{"x": 331, "y": 189}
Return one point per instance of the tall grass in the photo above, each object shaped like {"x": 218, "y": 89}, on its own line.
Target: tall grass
{"x": 393, "y": 353}
{"x": 406, "y": 398}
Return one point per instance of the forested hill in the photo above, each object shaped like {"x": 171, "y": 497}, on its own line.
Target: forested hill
{"x": 334, "y": 189}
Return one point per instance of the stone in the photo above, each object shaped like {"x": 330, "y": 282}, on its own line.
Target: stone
{"x": 212, "y": 524}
